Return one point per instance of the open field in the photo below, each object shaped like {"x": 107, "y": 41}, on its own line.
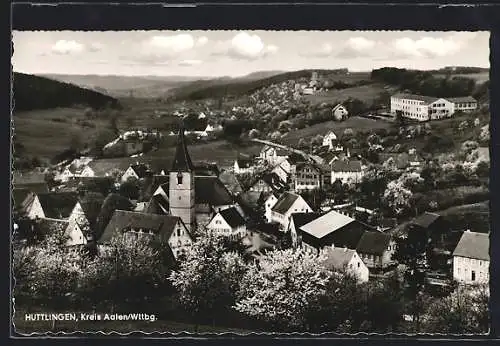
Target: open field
{"x": 365, "y": 93}
{"x": 480, "y": 77}
{"x": 355, "y": 123}
{"x": 44, "y": 133}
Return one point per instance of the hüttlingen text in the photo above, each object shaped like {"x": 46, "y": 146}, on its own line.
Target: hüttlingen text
{"x": 35, "y": 317}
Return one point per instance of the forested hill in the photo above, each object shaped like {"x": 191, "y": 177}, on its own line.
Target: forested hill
{"x": 241, "y": 86}
{"x": 34, "y": 92}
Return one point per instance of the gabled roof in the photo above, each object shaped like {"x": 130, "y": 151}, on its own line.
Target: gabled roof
{"x": 250, "y": 199}
{"x": 473, "y": 245}
{"x": 182, "y": 160}
{"x": 426, "y": 219}
{"x": 373, "y": 243}
{"x": 338, "y": 258}
{"x": 102, "y": 185}
{"x": 92, "y": 207}
{"x": 22, "y": 178}
{"x": 140, "y": 169}
{"x": 210, "y": 190}
{"x": 58, "y": 205}
{"x": 232, "y": 217}
{"x": 346, "y": 166}
{"x": 461, "y": 99}
{"x": 326, "y": 224}
{"x": 285, "y": 202}
{"x": 19, "y": 195}
{"x": 162, "y": 225}
{"x": 231, "y": 182}
{"x": 158, "y": 205}
{"x": 300, "y": 219}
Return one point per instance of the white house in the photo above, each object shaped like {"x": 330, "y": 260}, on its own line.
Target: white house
{"x": 346, "y": 171}
{"x": 136, "y": 171}
{"x": 287, "y": 204}
{"x": 228, "y": 222}
{"x": 348, "y": 261}
{"x": 328, "y": 139}
{"x": 471, "y": 259}
{"x": 424, "y": 108}
{"x": 165, "y": 229}
{"x": 269, "y": 204}
{"x": 339, "y": 112}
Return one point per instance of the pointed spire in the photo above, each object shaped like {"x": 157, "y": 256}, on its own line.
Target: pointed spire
{"x": 182, "y": 161}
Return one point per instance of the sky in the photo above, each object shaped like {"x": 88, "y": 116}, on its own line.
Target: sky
{"x": 236, "y": 53}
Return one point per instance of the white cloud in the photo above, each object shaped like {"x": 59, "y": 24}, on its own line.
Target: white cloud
{"x": 172, "y": 44}
{"x": 427, "y": 47}
{"x": 360, "y": 43}
{"x": 245, "y": 46}
{"x": 356, "y": 47}
{"x": 190, "y": 62}
{"x": 67, "y": 47}
{"x": 202, "y": 41}
{"x": 95, "y": 47}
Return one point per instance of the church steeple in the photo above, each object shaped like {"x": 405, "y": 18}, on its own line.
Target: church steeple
{"x": 182, "y": 160}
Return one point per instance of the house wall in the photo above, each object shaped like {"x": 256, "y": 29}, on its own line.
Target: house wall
{"x": 307, "y": 178}
{"x": 75, "y": 235}
{"x": 346, "y": 176}
{"x": 269, "y": 204}
{"x": 357, "y": 267}
{"x": 464, "y": 267}
{"x": 340, "y": 111}
{"x": 36, "y": 210}
{"x": 180, "y": 241}
{"x": 129, "y": 173}
{"x": 412, "y": 109}
{"x": 299, "y": 206}
{"x": 379, "y": 261}
{"x": 182, "y": 198}
{"x": 465, "y": 106}
{"x": 87, "y": 172}
{"x": 441, "y": 109}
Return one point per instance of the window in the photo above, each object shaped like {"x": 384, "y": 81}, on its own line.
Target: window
{"x": 180, "y": 198}
{"x": 473, "y": 275}
{"x": 359, "y": 264}
{"x": 179, "y": 232}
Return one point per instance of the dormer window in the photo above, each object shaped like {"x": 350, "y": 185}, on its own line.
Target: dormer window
{"x": 179, "y": 178}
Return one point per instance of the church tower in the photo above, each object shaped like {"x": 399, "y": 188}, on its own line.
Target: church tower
{"x": 181, "y": 184}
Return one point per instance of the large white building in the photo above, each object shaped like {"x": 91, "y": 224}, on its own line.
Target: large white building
{"x": 424, "y": 108}
{"x": 471, "y": 259}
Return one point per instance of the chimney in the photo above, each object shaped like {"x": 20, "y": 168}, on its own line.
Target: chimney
{"x": 345, "y": 249}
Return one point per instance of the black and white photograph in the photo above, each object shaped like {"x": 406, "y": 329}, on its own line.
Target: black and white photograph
{"x": 253, "y": 181}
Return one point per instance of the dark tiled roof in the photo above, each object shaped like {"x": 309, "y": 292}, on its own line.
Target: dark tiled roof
{"x": 210, "y": 190}
{"x": 250, "y": 199}
{"x": 161, "y": 225}
{"x": 231, "y": 182}
{"x": 102, "y": 185}
{"x": 373, "y": 243}
{"x": 140, "y": 169}
{"x": 346, "y": 166}
{"x": 182, "y": 160}
{"x": 58, "y": 205}
{"x": 19, "y": 195}
{"x": 232, "y": 217}
{"x": 426, "y": 219}
{"x": 91, "y": 206}
{"x": 300, "y": 219}
{"x": 158, "y": 205}
{"x": 285, "y": 202}
{"x": 473, "y": 245}
{"x": 44, "y": 227}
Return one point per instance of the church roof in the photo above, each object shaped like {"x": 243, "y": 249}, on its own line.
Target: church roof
{"x": 182, "y": 160}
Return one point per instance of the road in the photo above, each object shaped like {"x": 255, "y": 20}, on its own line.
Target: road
{"x": 284, "y": 147}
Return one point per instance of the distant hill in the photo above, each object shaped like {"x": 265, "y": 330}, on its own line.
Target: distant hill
{"x": 243, "y": 85}
{"x": 260, "y": 75}
{"x": 35, "y": 92}
{"x": 125, "y": 86}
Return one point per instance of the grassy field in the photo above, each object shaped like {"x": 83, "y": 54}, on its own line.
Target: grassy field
{"x": 365, "y": 93}
{"x": 478, "y": 77}
{"x": 355, "y": 123}
{"x": 45, "y": 133}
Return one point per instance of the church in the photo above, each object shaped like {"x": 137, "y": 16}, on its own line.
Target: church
{"x": 190, "y": 194}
